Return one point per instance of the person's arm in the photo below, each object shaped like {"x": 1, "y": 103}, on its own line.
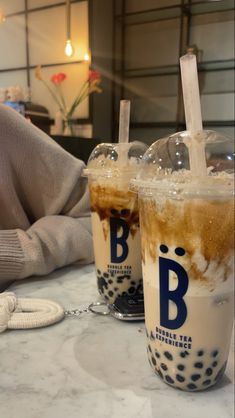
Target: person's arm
{"x": 51, "y": 242}
{"x": 44, "y": 202}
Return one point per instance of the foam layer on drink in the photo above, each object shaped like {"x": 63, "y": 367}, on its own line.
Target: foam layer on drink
{"x": 196, "y": 233}
{"x": 111, "y": 200}
{"x": 203, "y": 225}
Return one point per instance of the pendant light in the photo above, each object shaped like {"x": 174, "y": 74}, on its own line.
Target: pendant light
{"x": 68, "y": 47}
{"x": 2, "y": 16}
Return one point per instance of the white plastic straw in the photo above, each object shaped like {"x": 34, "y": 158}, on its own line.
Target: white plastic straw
{"x": 193, "y": 116}
{"x": 124, "y": 121}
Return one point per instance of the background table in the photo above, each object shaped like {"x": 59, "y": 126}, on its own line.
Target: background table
{"x": 79, "y": 147}
{"x": 91, "y": 366}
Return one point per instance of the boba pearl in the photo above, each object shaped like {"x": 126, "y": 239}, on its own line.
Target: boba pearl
{"x": 169, "y": 379}
{"x": 157, "y": 354}
{"x": 214, "y": 364}
{"x": 149, "y": 347}
{"x": 110, "y": 293}
{"x": 221, "y": 371}
{"x": 195, "y": 377}
{"x": 214, "y": 353}
{"x": 168, "y": 355}
{"x": 207, "y": 382}
{"x": 164, "y": 367}
{"x": 209, "y": 371}
{"x": 200, "y": 353}
{"x": 191, "y": 386}
{"x": 102, "y": 284}
{"x": 180, "y": 378}
{"x": 140, "y": 288}
{"x": 153, "y": 361}
{"x": 184, "y": 354}
{"x": 131, "y": 290}
{"x": 106, "y": 275}
{"x": 198, "y": 365}
{"x": 110, "y": 281}
{"x": 180, "y": 367}
{"x": 160, "y": 373}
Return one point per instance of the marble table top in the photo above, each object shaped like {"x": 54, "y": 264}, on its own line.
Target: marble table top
{"x": 91, "y": 366}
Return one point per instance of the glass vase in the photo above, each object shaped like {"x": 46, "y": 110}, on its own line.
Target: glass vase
{"x": 68, "y": 127}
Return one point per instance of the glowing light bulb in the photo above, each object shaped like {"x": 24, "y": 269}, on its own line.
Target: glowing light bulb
{"x": 2, "y": 16}
{"x": 68, "y": 48}
{"x": 86, "y": 57}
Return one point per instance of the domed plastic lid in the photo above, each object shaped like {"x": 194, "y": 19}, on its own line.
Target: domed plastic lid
{"x": 166, "y": 167}
{"x": 115, "y": 160}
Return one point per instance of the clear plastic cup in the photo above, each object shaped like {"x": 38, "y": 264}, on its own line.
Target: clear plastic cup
{"x": 187, "y": 227}
{"x": 115, "y": 218}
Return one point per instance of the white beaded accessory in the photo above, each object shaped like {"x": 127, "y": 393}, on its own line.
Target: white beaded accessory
{"x": 26, "y": 313}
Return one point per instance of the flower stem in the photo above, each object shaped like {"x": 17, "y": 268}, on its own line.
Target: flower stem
{"x": 54, "y": 96}
{"x": 77, "y": 99}
{"x": 61, "y": 96}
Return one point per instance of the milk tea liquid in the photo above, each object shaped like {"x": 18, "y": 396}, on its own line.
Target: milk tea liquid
{"x": 115, "y": 218}
{"x": 187, "y": 252}
{"x": 116, "y": 238}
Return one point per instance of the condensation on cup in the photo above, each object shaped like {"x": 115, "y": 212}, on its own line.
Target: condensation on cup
{"x": 115, "y": 218}
{"x": 187, "y": 227}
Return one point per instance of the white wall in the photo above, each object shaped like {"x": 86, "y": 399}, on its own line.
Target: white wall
{"x": 46, "y": 36}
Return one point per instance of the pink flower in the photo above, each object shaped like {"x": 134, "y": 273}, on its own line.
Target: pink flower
{"x": 58, "y": 78}
{"x": 94, "y": 76}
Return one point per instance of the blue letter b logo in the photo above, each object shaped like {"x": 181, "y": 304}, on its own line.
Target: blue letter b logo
{"x": 176, "y": 296}
{"x": 117, "y": 225}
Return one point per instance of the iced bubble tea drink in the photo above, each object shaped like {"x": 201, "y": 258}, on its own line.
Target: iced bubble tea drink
{"x": 115, "y": 218}
{"x": 187, "y": 238}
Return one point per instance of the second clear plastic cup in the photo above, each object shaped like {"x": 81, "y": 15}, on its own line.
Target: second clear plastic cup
{"x": 187, "y": 227}
{"x": 115, "y": 218}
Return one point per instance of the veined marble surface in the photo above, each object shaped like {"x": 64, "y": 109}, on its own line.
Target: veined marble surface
{"x": 91, "y": 366}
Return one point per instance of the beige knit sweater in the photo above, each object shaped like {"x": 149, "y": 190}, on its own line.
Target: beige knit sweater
{"x": 44, "y": 204}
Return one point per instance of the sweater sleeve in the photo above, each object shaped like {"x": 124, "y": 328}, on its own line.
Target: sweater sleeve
{"x": 51, "y": 242}
{"x": 44, "y": 202}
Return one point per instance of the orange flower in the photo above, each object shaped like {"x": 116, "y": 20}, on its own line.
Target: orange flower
{"x": 58, "y": 78}
{"x": 38, "y": 73}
